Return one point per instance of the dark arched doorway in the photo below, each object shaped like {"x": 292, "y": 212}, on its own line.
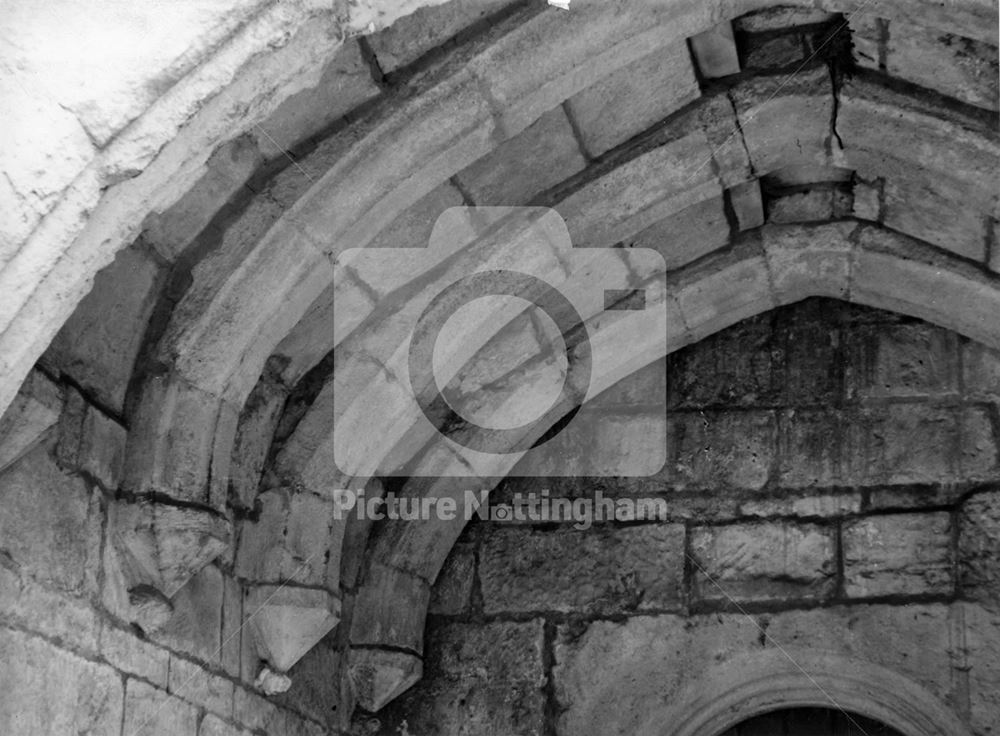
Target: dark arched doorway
{"x": 810, "y": 722}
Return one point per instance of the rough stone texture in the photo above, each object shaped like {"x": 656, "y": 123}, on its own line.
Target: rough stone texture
{"x": 413, "y": 35}
{"x": 979, "y": 549}
{"x": 765, "y": 561}
{"x": 898, "y": 554}
{"x": 98, "y": 345}
{"x": 190, "y": 681}
{"x": 745, "y": 200}
{"x": 196, "y": 624}
{"x": 906, "y": 443}
{"x": 479, "y": 679}
{"x": 254, "y": 434}
{"x": 125, "y": 651}
{"x": 687, "y": 235}
{"x": 453, "y": 588}
{"x": 613, "y": 570}
{"x": 48, "y": 690}
{"x": 633, "y": 98}
{"x": 725, "y": 449}
{"x": 543, "y": 154}
{"x": 152, "y": 712}
{"x": 346, "y": 83}
{"x": 955, "y": 66}
{"x": 981, "y": 654}
{"x": 909, "y": 360}
{"x": 981, "y": 371}
{"x": 50, "y": 525}
{"x": 34, "y": 410}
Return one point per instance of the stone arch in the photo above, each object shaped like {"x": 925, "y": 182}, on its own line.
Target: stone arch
{"x": 765, "y": 681}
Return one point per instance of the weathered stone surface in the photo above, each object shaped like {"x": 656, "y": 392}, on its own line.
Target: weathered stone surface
{"x": 981, "y": 371}
{"x": 212, "y": 725}
{"x": 687, "y": 235}
{"x": 903, "y": 360}
{"x": 905, "y": 443}
{"x": 725, "y": 449}
{"x": 91, "y": 442}
{"x": 542, "y": 155}
{"x": 602, "y": 570}
{"x": 149, "y": 711}
{"x": 746, "y": 203}
{"x": 316, "y": 682}
{"x": 390, "y": 609}
{"x": 346, "y": 83}
{"x": 53, "y": 614}
{"x": 868, "y": 33}
{"x": 48, "y": 690}
{"x": 410, "y": 37}
{"x": 812, "y": 205}
{"x": 98, "y": 345}
{"x": 270, "y": 682}
{"x": 50, "y": 528}
{"x": 33, "y": 412}
{"x": 487, "y": 679}
{"x": 127, "y": 652}
{"x": 190, "y": 681}
{"x": 980, "y": 653}
{"x": 164, "y": 546}
{"x": 898, "y": 554}
{"x": 977, "y": 445}
{"x": 651, "y": 659}
{"x": 780, "y": 17}
{"x": 926, "y": 210}
{"x": 868, "y": 200}
{"x": 195, "y": 623}
{"x": 379, "y": 676}
{"x": 763, "y": 561}
{"x": 774, "y": 52}
{"x": 633, "y": 98}
{"x": 257, "y": 713}
{"x": 286, "y": 622}
{"x": 290, "y": 540}
{"x": 979, "y": 548}
{"x": 812, "y": 449}
{"x": 452, "y": 590}
{"x": 952, "y": 65}
{"x": 714, "y": 51}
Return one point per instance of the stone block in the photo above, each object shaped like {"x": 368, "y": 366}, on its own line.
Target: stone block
{"x": 868, "y": 199}
{"x": 542, "y": 155}
{"x": 290, "y": 540}
{"x": 30, "y": 415}
{"x": 410, "y": 37}
{"x": 257, "y": 713}
{"x": 715, "y": 52}
{"x": 316, "y": 680}
{"x": 979, "y": 548}
{"x": 718, "y": 449}
{"x": 746, "y": 202}
{"x": 286, "y": 622}
{"x": 152, "y": 712}
{"x": 379, "y": 676}
{"x": 226, "y": 171}
{"x": 687, "y": 235}
{"x": 195, "y": 624}
{"x": 763, "y": 561}
{"x": 905, "y": 443}
{"x": 977, "y": 444}
{"x": 212, "y": 725}
{"x": 981, "y": 369}
{"x": 486, "y": 678}
{"x": 232, "y": 624}
{"x": 101, "y": 451}
{"x": 192, "y": 682}
{"x": 452, "y": 591}
{"x": 773, "y": 52}
{"x": 390, "y": 609}
{"x": 127, "y": 652}
{"x": 47, "y": 690}
{"x": 774, "y": 110}
{"x": 830, "y": 504}
{"x": 980, "y": 657}
{"x": 781, "y": 17}
{"x": 868, "y": 32}
{"x": 51, "y": 523}
{"x": 98, "y": 344}
{"x": 633, "y": 98}
{"x": 811, "y": 205}
{"x": 958, "y": 67}
{"x": 165, "y": 546}
{"x": 346, "y": 83}
{"x": 898, "y": 554}
{"x": 602, "y": 570}
{"x": 812, "y": 449}
{"x": 924, "y": 207}
{"x": 902, "y": 360}
{"x": 53, "y": 614}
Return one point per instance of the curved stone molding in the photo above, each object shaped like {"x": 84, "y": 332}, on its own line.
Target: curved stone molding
{"x": 757, "y": 683}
